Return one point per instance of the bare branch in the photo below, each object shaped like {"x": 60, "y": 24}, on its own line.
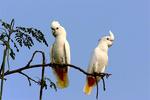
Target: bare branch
{"x": 96, "y": 88}
{"x": 33, "y": 56}
{"x": 52, "y": 65}
{"x": 8, "y": 60}
{"x": 52, "y": 84}
{"x": 104, "y": 88}
{"x": 29, "y": 78}
{"x": 43, "y": 82}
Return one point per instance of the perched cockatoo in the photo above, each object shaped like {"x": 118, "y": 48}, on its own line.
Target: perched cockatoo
{"x": 60, "y": 54}
{"x": 98, "y": 62}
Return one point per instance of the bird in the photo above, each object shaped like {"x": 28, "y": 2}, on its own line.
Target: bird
{"x": 60, "y": 54}
{"x": 98, "y": 62}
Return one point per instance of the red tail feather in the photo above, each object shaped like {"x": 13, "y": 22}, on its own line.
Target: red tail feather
{"x": 91, "y": 80}
{"x": 61, "y": 72}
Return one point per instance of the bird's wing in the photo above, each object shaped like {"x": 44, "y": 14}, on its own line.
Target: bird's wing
{"x": 67, "y": 52}
{"x": 90, "y": 81}
{"x": 92, "y": 62}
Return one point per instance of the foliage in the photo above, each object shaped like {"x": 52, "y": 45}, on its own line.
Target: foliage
{"x": 12, "y": 37}
{"x": 23, "y": 36}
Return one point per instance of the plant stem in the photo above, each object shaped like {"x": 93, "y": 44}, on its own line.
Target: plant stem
{"x": 42, "y": 76}
{"x": 42, "y": 83}
{"x": 2, "y": 72}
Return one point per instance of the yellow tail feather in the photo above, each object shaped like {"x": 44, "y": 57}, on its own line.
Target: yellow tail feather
{"x": 61, "y": 76}
{"x": 62, "y": 83}
{"x": 87, "y": 89}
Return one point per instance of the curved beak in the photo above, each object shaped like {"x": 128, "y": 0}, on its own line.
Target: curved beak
{"x": 110, "y": 45}
{"x": 53, "y": 32}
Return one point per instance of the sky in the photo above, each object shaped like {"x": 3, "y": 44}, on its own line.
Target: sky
{"x": 85, "y": 21}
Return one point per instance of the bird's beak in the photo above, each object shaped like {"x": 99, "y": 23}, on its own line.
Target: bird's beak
{"x": 53, "y": 32}
{"x": 111, "y": 40}
{"x": 110, "y": 44}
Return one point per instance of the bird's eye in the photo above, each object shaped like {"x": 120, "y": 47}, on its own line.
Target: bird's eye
{"x": 107, "y": 38}
{"x": 57, "y": 28}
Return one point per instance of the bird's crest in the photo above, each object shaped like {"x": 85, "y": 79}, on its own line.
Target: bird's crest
{"x": 55, "y": 24}
{"x": 111, "y": 35}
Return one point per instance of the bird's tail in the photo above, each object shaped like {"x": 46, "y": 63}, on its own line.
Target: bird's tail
{"x": 62, "y": 76}
{"x": 90, "y": 83}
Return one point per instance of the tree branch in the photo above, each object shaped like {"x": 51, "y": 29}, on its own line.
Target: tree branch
{"x": 96, "y": 88}
{"x": 29, "y": 78}
{"x": 102, "y": 75}
{"x": 43, "y": 82}
{"x": 104, "y": 88}
{"x": 52, "y": 65}
{"x": 33, "y": 57}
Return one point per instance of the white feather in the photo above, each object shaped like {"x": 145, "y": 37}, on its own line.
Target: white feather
{"x": 111, "y": 35}
{"x": 55, "y": 24}
{"x": 99, "y": 58}
{"x": 60, "y": 54}
{"x": 98, "y": 61}
{"x": 67, "y": 52}
{"x": 60, "y": 50}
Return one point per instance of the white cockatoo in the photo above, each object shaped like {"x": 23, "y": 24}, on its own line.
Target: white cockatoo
{"x": 98, "y": 62}
{"x": 60, "y": 54}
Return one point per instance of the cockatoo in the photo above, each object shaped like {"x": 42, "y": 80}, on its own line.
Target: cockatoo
{"x": 98, "y": 62}
{"x": 60, "y": 54}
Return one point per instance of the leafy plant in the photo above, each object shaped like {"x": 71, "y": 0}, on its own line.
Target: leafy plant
{"x": 19, "y": 37}
{"x": 23, "y": 36}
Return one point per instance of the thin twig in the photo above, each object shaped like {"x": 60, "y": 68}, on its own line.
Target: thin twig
{"x": 33, "y": 57}
{"x": 42, "y": 76}
{"x": 52, "y": 84}
{"x": 8, "y": 60}
{"x": 2, "y": 70}
{"x": 29, "y": 78}
{"x": 96, "y": 88}
{"x": 104, "y": 88}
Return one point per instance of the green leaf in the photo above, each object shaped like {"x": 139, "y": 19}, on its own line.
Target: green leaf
{"x": 24, "y": 39}
{"x": 12, "y": 23}
{"x": 12, "y": 54}
{"x": 37, "y": 34}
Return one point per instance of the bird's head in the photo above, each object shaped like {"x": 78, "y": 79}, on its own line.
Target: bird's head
{"x": 57, "y": 29}
{"x": 108, "y": 40}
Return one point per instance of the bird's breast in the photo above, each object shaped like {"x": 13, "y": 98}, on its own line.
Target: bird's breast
{"x": 100, "y": 61}
{"x": 58, "y": 51}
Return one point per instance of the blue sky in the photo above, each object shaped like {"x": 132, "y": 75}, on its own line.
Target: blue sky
{"x": 85, "y": 22}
